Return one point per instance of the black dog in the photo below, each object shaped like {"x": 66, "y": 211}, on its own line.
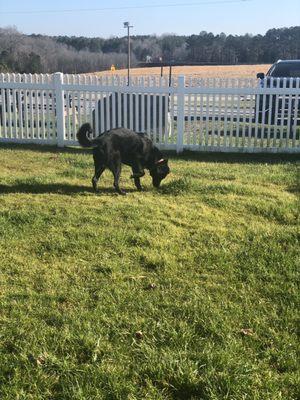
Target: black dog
{"x": 117, "y": 146}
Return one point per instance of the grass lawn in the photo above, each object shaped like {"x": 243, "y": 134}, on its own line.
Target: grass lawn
{"x": 187, "y": 292}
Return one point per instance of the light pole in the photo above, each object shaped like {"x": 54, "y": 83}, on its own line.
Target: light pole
{"x": 128, "y": 26}
{"x": 161, "y": 67}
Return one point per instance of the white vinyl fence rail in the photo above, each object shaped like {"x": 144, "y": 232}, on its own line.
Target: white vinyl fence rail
{"x": 227, "y": 115}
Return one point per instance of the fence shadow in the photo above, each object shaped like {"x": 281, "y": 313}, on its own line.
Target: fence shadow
{"x": 237, "y": 158}
{"x": 241, "y": 158}
{"x": 43, "y": 148}
{"x": 57, "y": 188}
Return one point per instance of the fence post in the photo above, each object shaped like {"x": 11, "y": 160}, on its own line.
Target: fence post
{"x": 59, "y": 108}
{"x": 180, "y": 113}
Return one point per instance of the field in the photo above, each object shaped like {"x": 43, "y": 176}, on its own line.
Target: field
{"x": 214, "y": 71}
{"x": 187, "y": 292}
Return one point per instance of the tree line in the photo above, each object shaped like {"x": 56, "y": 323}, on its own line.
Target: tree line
{"x": 70, "y": 54}
{"x": 42, "y": 54}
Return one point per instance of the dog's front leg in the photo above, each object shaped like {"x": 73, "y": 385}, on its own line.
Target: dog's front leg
{"x": 136, "y": 176}
{"x": 137, "y": 169}
{"x": 118, "y": 189}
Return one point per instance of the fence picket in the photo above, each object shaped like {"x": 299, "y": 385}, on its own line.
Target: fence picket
{"x": 14, "y": 110}
{"x": 167, "y": 119}
{"x": 37, "y": 110}
{"x": 48, "y": 119}
{"x": 244, "y": 119}
{"x": 189, "y": 120}
{"x": 282, "y": 116}
{"x": 68, "y": 135}
{"x": 131, "y": 112}
{"x": 201, "y": 133}
{"x": 154, "y": 115}
{"x": 225, "y": 136}
{"x": 172, "y": 139}
{"x": 195, "y": 120}
{"x": 275, "y": 133}
{"x": 101, "y": 114}
{"x": 270, "y": 114}
{"x": 219, "y": 116}
{"x": 296, "y": 112}
{"x": 3, "y": 110}
{"x": 79, "y": 101}
{"x": 31, "y": 114}
{"x": 213, "y": 120}
{"x": 125, "y": 109}
{"x": 8, "y": 107}
{"x": 143, "y": 107}
{"x": 237, "y": 117}
{"x": 232, "y": 98}
{"x": 207, "y": 101}
{"x": 43, "y": 130}
{"x": 90, "y": 107}
{"x": 119, "y": 122}
{"x": 180, "y": 113}
{"x": 160, "y": 113}
{"x": 289, "y": 117}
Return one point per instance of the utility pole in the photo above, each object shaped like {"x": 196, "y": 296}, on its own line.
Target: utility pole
{"x": 170, "y": 72}
{"x": 161, "y": 67}
{"x": 128, "y": 26}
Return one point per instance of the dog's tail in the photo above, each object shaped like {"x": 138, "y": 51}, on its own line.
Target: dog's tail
{"x": 82, "y": 137}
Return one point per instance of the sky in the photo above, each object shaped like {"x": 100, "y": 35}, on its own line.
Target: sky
{"x": 105, "y": 18}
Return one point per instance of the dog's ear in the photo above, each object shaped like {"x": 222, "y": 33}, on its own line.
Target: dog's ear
{"x": 162, "y": 161}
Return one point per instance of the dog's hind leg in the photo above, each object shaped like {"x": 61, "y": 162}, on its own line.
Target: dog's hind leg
{"x": 98, "y": 171}
{"x": 99, "y": 168}
{"x": 117, "y": 173}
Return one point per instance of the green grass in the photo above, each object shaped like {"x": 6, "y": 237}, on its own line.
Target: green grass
{"x": 206, "y": 268}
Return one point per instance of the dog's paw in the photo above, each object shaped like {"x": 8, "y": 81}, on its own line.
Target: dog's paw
{"x": 121, "y": 192}
{"x": 94, "y": 183}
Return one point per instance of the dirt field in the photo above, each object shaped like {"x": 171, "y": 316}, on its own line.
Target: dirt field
{"x": 216, "y": 71}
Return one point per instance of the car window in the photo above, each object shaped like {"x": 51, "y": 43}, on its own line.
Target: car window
{"x": 285, "y": 71}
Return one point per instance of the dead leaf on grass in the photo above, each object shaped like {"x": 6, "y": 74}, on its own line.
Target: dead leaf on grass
{"x": 247, "y": 332}
{"x": 151, "y": 286}
{"x": 139, "y": 335}
{"x": 41, "y": 359}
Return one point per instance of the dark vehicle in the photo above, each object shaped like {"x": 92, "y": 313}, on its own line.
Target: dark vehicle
{"x": 271, "y": 107}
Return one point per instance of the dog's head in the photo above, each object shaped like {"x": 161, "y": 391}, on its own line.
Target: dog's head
{"x": 159, "y": 171}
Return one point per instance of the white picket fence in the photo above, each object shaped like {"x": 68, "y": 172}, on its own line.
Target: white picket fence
{"x": 227, "y": 115}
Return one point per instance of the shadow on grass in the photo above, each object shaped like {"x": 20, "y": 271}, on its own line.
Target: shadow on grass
{"x": 176, "y": 187}
{"x": 234, "y": 158}
{"x": 41, "y": 148}
{"x": 57, "y": 188}
{"x": 294, "y": 189}
{"x": 244, "y": 158}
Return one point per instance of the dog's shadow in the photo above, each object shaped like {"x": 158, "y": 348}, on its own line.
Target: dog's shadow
{"x": 57, "y": 188}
